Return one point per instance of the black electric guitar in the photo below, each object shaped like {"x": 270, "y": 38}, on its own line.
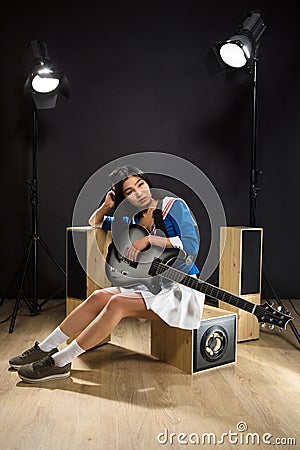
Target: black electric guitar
{"x": 155, "y": 262}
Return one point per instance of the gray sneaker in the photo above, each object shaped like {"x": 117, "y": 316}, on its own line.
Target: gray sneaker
{"x": 43, "y": 370}
{"x": 32, "y": 354}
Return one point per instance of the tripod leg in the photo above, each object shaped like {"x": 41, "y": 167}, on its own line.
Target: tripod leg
{"x": 294, "y": 329}
{"x": 35, "y": 306}
{"x": 51, "y": 255}
{"x": 52, "y": 296}
{"x": 17, "y": 303}
{"x": 13, "y": 281}
{"x": 8, "y": 289}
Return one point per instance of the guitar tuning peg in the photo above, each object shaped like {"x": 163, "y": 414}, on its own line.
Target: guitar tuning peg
{"x": 263, "y": 325}
{"x": 279, "y": 308}
{"x": 271, "y": 327}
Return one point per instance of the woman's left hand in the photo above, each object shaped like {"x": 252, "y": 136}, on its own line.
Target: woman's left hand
{"x": 132, "y": 252}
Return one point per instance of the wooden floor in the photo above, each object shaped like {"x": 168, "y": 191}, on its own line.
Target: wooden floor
{"x": 119, "y": 399}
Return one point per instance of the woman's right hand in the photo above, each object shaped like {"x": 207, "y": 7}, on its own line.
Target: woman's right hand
{"x": 98, "y": 215}
{"x": 109, "y": 201}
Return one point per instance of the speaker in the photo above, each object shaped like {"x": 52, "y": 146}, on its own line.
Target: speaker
{"x": 251, "y": 261}
{"x": 212, "y": 345}
{"x": 215, "y": 343}
{"x": 240, "y": 271}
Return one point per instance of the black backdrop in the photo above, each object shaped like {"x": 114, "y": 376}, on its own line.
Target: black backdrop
{"x": 139, "y": 84}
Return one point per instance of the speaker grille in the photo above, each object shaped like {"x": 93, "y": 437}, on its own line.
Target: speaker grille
{"x": 76, "y": 275}
{"x": 251, "y": 255}
{"x": 215, "y": 343}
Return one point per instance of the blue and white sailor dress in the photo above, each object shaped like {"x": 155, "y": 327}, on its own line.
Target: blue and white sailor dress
{"x": 178, "y": 305}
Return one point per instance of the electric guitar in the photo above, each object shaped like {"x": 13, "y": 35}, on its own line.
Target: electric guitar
{"x": 157, "y": 263}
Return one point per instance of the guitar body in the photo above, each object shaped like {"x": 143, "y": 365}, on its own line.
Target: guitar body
{"x": 122, "y": 272}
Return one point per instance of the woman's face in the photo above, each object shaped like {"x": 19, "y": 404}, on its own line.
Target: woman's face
{"x": 137, "y": 191}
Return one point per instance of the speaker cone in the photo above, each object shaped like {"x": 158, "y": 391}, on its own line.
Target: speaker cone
{"x": 213, "y": 343}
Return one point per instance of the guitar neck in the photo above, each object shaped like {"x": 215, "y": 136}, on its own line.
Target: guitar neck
{"x": 175, "y": 275}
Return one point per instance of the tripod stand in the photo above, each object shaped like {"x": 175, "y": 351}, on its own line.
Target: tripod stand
{"x": 253, "y": 190}
{"x": 34, "y": 240}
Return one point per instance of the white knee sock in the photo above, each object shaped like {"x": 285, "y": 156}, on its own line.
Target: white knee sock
{"x": 66, "y": 355}
{"x": 54, "y": 339}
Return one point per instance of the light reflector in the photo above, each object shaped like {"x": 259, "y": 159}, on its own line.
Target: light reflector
{"x": 44, "y": 84}
{"x": 233, "y": 55}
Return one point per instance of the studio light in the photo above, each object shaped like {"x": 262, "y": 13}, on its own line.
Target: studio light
{"x": 44, "y": 81}
{"x": 239, "y": 50}
{"x": 43, "y": 85}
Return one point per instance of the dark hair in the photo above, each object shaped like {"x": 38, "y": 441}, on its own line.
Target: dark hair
{"x": 120, "y": 174}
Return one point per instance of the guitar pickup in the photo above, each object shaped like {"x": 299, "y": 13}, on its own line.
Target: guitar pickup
{"x": 120, "y": 258}
{"x": 133, "y": 264}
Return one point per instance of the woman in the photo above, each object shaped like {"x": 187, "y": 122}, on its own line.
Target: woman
{"x": 98, "y": 315}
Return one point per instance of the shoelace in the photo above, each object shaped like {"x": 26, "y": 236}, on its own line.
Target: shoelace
{"x": 42, "y": 363}
{"x": 30, "y": 350}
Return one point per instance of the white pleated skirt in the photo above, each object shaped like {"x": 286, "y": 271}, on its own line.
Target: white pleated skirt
{"x": 178, "y": 305}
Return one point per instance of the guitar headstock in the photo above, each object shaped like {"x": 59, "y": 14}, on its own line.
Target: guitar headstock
{"x": 266, "y": 313}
